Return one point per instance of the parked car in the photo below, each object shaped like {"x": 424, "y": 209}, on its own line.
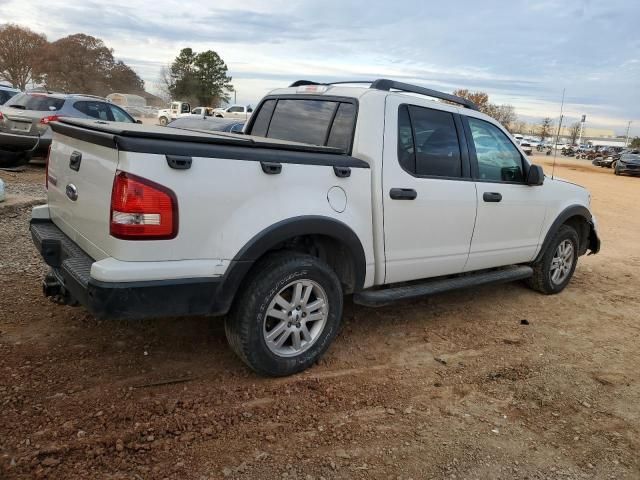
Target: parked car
{"x": 25, "y": 121}
{"x": 526, "y": 147}
{"x": 273, "y": 227}
{"x": 628, "y": 163}
{"x": 208, "y": 123}
{"x": 6, "y": 93}
{"x": 240, "y": 112}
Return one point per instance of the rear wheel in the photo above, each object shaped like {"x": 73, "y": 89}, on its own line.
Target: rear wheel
{"x": 554, "y": 270}
{"x": 164, "y": 121}
{"x": 286, "y": 315}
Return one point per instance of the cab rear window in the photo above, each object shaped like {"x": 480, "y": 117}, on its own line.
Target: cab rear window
{"x": 316, "y": 122}
{"x": 40, "y": 103}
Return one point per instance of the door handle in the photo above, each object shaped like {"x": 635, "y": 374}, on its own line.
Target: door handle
{"x": 491, "y": 196}
{"x": 403, "y": 194}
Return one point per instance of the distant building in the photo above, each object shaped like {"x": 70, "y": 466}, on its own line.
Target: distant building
{"x": 127, "y": 100}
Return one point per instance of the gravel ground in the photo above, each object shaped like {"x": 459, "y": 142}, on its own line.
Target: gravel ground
{"x": 454, "y": 386}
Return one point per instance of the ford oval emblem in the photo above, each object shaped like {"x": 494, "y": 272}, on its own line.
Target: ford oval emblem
{"x": 72, "y": 192}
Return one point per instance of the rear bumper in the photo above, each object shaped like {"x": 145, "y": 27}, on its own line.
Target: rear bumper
{"x": 21, "y": 143}
{"x": 71, "y": 276}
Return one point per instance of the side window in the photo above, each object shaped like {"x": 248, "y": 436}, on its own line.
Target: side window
{"x": 99, "y": 110}
{"x": 261, "y": 124}
{"x": 119, "y": 115}
{"x": 498, "y": 159}
{"x": 236, "y": 109}
{"x": 186, "y": 108}
{"x": 428, "y": 142}
{"x": 340, "y": 136}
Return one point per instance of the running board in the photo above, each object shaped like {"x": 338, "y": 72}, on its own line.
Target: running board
{"x": 382, "y": 297}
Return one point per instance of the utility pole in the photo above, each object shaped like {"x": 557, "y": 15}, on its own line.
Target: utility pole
{"x": 584, "y": 119}
{"x": 234, "y": 97}
{"x": 626, "y": 142}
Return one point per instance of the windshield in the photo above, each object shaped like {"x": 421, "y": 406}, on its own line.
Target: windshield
{"x": 37, "y": 102}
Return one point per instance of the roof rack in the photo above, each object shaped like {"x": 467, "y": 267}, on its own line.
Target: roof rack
{"x": 384, "y": 84}
{"x": 85, "y": 95}
{"x": 388, "y": 85}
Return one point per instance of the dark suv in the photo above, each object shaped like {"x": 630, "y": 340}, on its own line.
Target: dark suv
{"x": 25, "y": 118}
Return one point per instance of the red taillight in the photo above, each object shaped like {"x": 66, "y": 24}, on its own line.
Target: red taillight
{"x": 50, "y": 118}
{"x": 142, "y": 209}
{"x": 46, "y": 168}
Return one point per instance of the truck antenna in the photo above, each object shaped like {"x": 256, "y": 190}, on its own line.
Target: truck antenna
{"x": 555, "y": 146}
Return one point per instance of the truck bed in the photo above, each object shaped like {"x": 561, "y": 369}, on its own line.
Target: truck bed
{"x": 110, "y": 133}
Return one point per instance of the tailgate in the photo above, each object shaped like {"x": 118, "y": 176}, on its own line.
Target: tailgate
{"x": 79, "y": 195}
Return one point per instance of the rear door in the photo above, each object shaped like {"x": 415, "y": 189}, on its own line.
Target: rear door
{"x": 429, "y": 198}
{"x": 510, "y": 213}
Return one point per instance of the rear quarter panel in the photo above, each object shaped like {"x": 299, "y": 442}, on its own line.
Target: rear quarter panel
{"x": 224, "y": 203}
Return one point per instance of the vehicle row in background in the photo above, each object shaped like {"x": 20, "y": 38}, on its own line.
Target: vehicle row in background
{"x": 183, "y": 109}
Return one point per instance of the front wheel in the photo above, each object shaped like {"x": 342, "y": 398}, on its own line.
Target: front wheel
{"x": 164, "y": 121}
{"x": 552, "y": 273}
{"x": 287, "y": 314}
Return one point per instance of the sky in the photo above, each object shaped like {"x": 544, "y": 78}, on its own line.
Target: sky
{"x": 520, "y": 52}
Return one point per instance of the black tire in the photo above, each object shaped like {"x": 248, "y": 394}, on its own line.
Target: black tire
{"x": 164, "y": 121}
{"x": 245, "y": 322}
{"x": 541, "y": 280}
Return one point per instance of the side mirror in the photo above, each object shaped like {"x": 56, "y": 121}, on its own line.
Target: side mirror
{"x": 535, "y": 176}
{"x": 139, "y": 121}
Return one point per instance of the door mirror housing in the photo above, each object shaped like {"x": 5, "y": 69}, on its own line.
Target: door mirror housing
{"x": 535, "y": 175}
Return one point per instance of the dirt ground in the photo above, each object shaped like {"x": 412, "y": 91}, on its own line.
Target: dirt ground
{"x": 457, "y": 386}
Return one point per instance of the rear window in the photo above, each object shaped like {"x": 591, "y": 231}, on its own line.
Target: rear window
{"x": 316, "y": 122}
{"x": 6, "y": 95}
{"x": 40, "y": 103}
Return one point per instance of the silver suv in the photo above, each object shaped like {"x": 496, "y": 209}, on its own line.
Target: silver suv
{"x": 25, "y": 118}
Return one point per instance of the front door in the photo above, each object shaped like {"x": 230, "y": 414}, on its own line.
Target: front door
{"x": 510, "y": 212}
{"x": 429, "y": 198}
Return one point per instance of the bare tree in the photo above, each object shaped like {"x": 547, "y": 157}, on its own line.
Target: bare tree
{"x": 481, "y": 99}
{"x": 163, "y": 83}
{"x": 520, "y": 127}
{"x": 19, "y": 51}
{"x": 545, "y": 129}
{"x": 574, "y": 131}
{"x": 505, "y": 114}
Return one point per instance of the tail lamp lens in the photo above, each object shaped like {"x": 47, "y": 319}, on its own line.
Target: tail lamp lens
{"x": 142, "y": 209}
{"x": 50, "y": 118}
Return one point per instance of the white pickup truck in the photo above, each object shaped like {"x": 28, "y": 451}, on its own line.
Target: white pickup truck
{"x": 381, "y": 192}
{"x": 240, "y": 112}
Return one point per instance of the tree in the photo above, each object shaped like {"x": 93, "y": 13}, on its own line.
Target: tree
{"x": 545, "y": 129}
{"x": 635, "y": 143}
{"x": 574, "y": 132}
{"x": 122, "y": 78}
{"x": 84, "y": 64}
{"x": 520, "y": 127}
{"x": 19, "y": 50}
{"x": 481, "y": 99}
{"x": 200, "y": 77}
{"x": 505, "y": 114}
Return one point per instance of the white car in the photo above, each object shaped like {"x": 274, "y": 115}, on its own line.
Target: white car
{"x": 240, "y": 112}
{"x": 378, "y": 192}
{"x": 526, "y": 147}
